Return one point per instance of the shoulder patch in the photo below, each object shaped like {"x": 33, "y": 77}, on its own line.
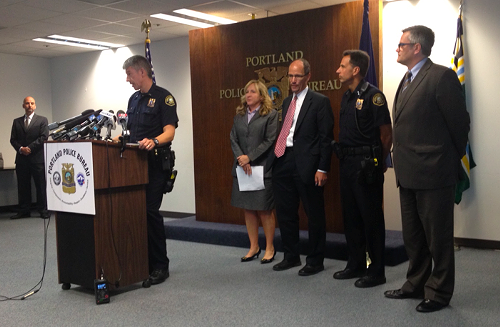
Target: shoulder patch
{"x": 169, "y": 100}
{"x": 378, "y": 99}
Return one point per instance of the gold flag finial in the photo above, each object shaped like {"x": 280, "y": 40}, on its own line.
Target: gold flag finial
{"x": 146, "y": 25}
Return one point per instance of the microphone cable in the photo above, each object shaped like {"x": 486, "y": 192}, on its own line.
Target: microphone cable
{"x": 38, "y": 286}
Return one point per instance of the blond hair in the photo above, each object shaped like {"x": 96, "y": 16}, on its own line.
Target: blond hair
{"x": 266, "y": 104}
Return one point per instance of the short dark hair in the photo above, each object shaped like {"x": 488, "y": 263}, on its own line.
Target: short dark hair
{"x": 423, "y": 35}
{"x": 358, "y": 58}
{"x": 138, "y": 62}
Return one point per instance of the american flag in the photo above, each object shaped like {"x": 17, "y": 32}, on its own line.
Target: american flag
{"x": 365, "y": 44}
{"x": 148, "y": 57}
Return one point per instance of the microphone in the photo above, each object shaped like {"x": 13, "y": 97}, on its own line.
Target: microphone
{"x": 79, "y": 129}
{"x": 61, "y": 132}
{"x": 110, "y": 124}
{"x": 55, "y": 125}
{"x": 123, "y": 120}
{"x": 95, "y": 129}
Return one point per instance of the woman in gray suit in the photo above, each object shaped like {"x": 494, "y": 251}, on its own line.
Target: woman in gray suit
{"x": 252, "y": 136}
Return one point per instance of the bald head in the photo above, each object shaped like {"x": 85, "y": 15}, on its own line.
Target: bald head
{"x": 29, "y": 105}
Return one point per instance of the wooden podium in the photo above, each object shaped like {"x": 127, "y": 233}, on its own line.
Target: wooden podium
{"x": 113, "y": 242}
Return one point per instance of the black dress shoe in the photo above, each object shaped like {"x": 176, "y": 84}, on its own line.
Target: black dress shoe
{"x": 21, "y": 215}
{"x": 263, "y": 261}
{"x": 256, "y": 255}
{"x": 44, "y": 214}
{"x": 430, "y": 306}
{"x": 369, "y": 281}
{"x": 399, "y": 294}
{"x": 158, "y": 276}
{"x": 349, "y": 273}
{"x": 285, "y": 264}
{"x": 309, "y": 270}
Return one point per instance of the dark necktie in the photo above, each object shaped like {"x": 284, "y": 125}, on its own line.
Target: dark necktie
{"x": 26, "y": 121}
{"x": 279, "y": 150}
{"x": 407, "y": 81}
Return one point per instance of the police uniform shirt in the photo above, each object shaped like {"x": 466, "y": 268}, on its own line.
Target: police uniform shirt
{"x": 371, "y": 112}
{"x": 149, "y": 112}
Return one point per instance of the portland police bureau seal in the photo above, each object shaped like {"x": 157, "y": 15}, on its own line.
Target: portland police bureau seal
{"x": 70, "y": 172}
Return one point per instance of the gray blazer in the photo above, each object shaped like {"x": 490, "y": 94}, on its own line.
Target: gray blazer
{"x": 430, "y": 129}
{"x": 255, "y": 139}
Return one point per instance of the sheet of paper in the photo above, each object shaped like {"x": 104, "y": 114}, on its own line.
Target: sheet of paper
{"x": 253, "y": 182}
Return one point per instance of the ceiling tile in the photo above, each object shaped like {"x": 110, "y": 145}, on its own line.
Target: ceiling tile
{"x": 64, "y": 6}
{"x": 76, "y": 22}
{"x": 144, "y": 7}
{"x": 107, "y": 14}
{"x": 117, "y": 29}
{"x": 298, "y": 6}
{"x": 118, "y": 21}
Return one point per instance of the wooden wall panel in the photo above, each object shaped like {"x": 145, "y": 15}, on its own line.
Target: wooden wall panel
{"x": 219, "y": 62}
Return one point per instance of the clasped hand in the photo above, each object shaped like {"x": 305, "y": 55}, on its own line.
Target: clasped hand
{"x": 244, "y": 162}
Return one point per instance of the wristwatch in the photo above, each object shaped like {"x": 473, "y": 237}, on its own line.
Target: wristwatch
{"x": 155, "y": 142}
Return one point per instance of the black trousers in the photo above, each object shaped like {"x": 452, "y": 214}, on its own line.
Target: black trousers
{"x": 364, "y": 225}
{"x": 289, "y": 190}
{"x": 157, "y": 245}
{"x": 427, "y": 217}
{"x": 24, "y": 172}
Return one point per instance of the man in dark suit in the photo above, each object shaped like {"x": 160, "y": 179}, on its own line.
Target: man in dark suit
{"x": 301, "y": 161}
{"x": 27, "y": 136}
{"x": 430, "y": 127}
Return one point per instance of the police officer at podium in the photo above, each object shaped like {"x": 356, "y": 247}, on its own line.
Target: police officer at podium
{"x": 365, "y": 139}
{"x": 152, "y": 120}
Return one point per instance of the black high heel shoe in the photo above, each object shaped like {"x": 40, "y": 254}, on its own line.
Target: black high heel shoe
{"x": 256, "y": 255}
{"x": 263, "y": 261}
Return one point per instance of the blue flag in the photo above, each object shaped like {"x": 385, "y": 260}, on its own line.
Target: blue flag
{"x": 457, "y": 64}
{"x": 365, "y": 44}
{"x": 148, "y": 57}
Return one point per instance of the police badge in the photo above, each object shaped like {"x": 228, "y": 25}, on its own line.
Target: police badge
{"x": 68, "y": 181}
{"x": 359, "y": 104}
{"x": 378, "y": 99}
{"x": 151, "y": 103}
{"x": 169, "y": 100}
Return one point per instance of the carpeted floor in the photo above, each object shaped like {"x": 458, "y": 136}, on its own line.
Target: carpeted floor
{"x": 209, "y": 286}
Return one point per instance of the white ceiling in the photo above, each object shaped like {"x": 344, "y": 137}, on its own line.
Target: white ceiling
{"x": 118, "y": 21}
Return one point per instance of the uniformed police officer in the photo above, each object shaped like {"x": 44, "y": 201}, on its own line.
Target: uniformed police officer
{"x": 365, "y": 139}
{"x": 152, "y": 119}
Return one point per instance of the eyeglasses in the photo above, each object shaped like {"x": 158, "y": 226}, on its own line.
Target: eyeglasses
{"x": 291, "y": 76}
{"x": 400, "y": 45}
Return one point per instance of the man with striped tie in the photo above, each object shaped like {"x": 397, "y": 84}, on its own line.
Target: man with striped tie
{"x": 301, "y": 161}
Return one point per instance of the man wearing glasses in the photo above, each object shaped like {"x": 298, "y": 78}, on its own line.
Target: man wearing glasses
{"x": 301, "y": 161}
{"x": 430, "y": 127}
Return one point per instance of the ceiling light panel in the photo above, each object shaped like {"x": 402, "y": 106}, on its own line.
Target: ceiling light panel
{"x": 204, "y": 16}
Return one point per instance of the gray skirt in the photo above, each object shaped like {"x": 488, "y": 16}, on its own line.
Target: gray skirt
{"x": 253, "y": 200}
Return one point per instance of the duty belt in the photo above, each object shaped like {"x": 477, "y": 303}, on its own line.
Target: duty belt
{"x": 364, "y": 150}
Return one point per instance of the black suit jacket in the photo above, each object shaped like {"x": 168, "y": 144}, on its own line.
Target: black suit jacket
{"x": 313, "y": 135}
{"x": 430, "y": 129}
{"x": 32, "y": 137}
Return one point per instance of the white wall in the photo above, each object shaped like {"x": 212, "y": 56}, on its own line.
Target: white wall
{"x": 477, "y": 214}
{"x": 96, "y": 80}
{"x": 20, "y": 76}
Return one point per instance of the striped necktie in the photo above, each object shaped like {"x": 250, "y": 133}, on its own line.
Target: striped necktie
{"x": 407, "y": 81}
{"x": 279, "y": 150}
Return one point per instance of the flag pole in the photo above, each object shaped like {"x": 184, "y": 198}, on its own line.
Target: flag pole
{"x": 146, "y": 26}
